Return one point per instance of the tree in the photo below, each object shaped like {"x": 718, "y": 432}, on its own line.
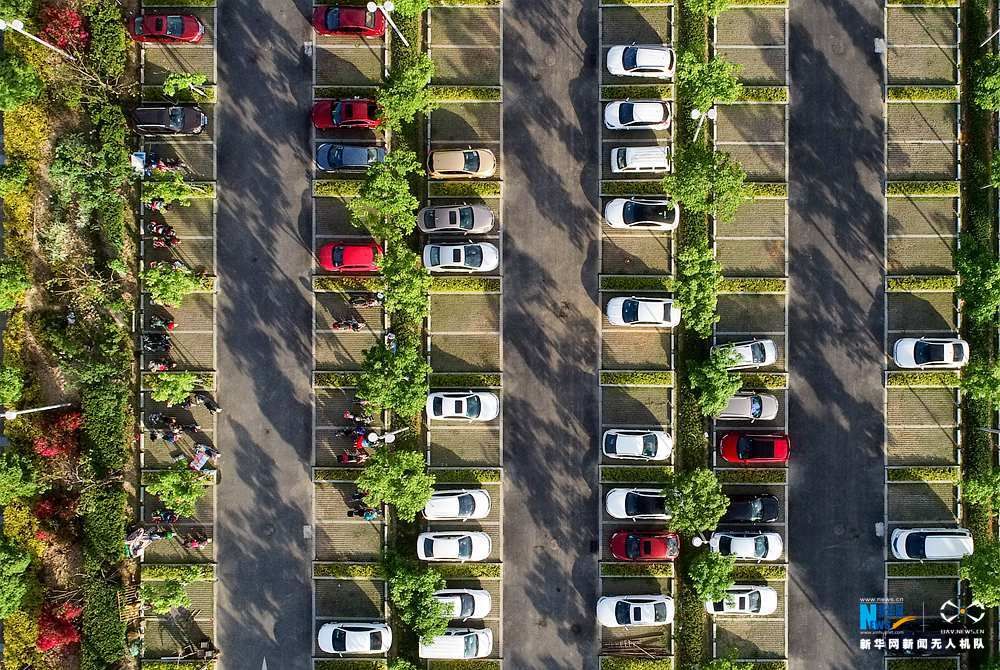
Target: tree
{"x": 704, "y": 83}
{"x": 707, "y": 181}
{"x": 981, "y": 379}
{"x": 18, "y": 478}
{"x": 163, "y": 596}
{"x": 986, "y": 86}
{"x": 411, "y": 590}
{"x": 14, "y": 563}
{"x": 178, "y": 487}
{"x": 19, "y": 82}
{"x": 708, "y": 7}
{"x": 172, "y": 388}
{"x": 711, "y": 575}
{"x": 695, "y": 500}
{"x": 713, "y": 382}
{"x": 16, "y": 9}
{"x": 405, "y": 94}
{"x": 983, "y": 489}
{"x": 385, "y": 205}
{"x": 401, "y": 664}
{"x": 13, "y": 283}
{"x": 170, "y": 187}
{"x": 58, "y": 626}
{"x": 406, "y": 284}
{"x": 725, "y": 664}
{"x": 11, "y": 386}
{"x": 168, "y": 285}
{"x": 64, "y": 27}
{"x": 410, "y": 7}
{"x": 395, "y": 381}
{"x": 14, "y": 177}
{"x": 697, "y": 287}
{"x": 397, "y": 478}
{"x": 982, "y": 570}
{"x": 980, "y": 287}
{"x": 185, "y": 82}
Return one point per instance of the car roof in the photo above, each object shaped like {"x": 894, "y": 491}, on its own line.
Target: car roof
{"x": 947, "y": 544}
{"x": 357, "y": 254}
{"x": 648, "y": 112}
{"x": 449, "y": 160}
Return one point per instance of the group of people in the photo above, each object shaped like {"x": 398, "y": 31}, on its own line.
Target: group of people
{"x": 358, "y": 427}
{"x": 168, "y": 428}
{"x": 164, "y": 236}
{"x": 359, "y": 508}
{"x": 141, "y": 537}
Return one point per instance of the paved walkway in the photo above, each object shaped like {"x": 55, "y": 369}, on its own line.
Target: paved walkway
{"x": 550, "y": 334}
{"x": 835, "y": 329}
{"x": 265, "y": 354}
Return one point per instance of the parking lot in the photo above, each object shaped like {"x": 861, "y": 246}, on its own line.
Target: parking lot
{"x": 192, "y": 340}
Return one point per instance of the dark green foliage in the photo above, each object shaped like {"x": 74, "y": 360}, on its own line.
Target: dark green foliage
{"x": 703, "y": 83}
{"x": 104, "y": 518}
{"x": 397, "y": 478}
{"x": 385, "y": 205}
{"x": 711, "y": 575}
{"x": 13, "y": 282}
{"x": 980, "y": 287}
{"x": 707, "y": 181}
{"x": 103, "y": 644}
{"x": 713, "y": 382}
{"x": 19, "y": 83}
{"x": 14, "y": 178}
{"x": 395, "y": 381}
{"x": 163, "y": 595}
{"x": 108, "y": 40}
{"x": 987, "y": 82}
{"x": 699, "y": 275}
{"x": 14, "y": 563}
{"x": 406, "y": 95}
{"x": 406, "y": 284}
{"x": 107, "y": 424}
{"x": 696, "y": 501}
{"x": 17, "y": 9}
{"x": 411, "y": 590}
{"x": 18, "y": 477}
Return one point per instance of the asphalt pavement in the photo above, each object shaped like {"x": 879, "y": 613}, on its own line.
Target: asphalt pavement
{"x": 835, "y": 351}
{"x": 263, "y": 606}
{"x": 550, "y": 334}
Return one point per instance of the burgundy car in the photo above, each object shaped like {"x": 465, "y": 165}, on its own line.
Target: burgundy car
{"x": 166, "y": 28}
{"x": 356, "y": 21}
{"x": 754, "y": 448}
{"x": 353, "y": 113}
{"x": 648, "y": 545}
{"x": 345, "y": 257}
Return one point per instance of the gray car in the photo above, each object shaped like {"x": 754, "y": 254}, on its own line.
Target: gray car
{"x": 330, "y": 157}
{"x": 464, "y": 219}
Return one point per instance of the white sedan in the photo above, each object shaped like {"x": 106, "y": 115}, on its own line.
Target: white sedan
{"x": 463, "y": 219}
{"x": 641, "y": 445}
{"x": 928, "y": 352}
{"x": 751, "y": 354}
{"x": 641, "y": 60}
{"x": 642, "y": 213}
{"x": 649, "y": 312}
{"x": 454, "y": 546}
{"x": 745, "y": 599}
{"x": 465, "y": 603}
{"x": 637, "y": 504}
{"x": 464, "y": 405}
{"x": 750, "y": 406}
{"x": 750, "y": 545}
{"x": 643, "y": 610}
{"x": 478, "y": 257}
{"x": 637, "y": 115}
{"x": 458, "y": 504}
{"x": 355, "y": 637}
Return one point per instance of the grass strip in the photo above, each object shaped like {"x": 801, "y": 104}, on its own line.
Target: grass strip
{"x": 759, "y": 572}
{"x": 463, "y": 189}
{"x": 648, "y": 187}
{"x": 752, "y": 476}
{"x": 637, "y": 283}
{"x": 939, "y": 474}
{"x": 638, "y": 92}
{"x": 480, "y": 664}
{"x": 764, "y": 380}
{"x": 759, "y": 190}
{"x": 341, "y": 284}
{"x": 465, "y": 285}
{"x": 922, "y": 188}
{"x": 345, "y": 664}
{"x": 644, "y": 474}
{"x": 466, "y": 475}
{"x": 465, "y": 380}
{"x": 466, "y": 93}
{"x": 923, "y": 93}
{"x": 923, "y": 379}
{"x": 329, "y": 92}
{"x": 155, "y": 93}
{"x": 346, "y": 570}
{"x": 470, "y": 570}
{"x": 637, "y": 569}
{"x": 917, "y": 569}
{"x": 333, "y": 188}
{"x": 181, "y": 572}
{"x": 752, "y": 285}
{"x": 335, "y": 379}
{"x": 637, "y": 378}
{"x": 336, "y": 474}
{"x": 915, "y": 283}
{"x": 777, "y": 94}
{"x": 625, "y": 663}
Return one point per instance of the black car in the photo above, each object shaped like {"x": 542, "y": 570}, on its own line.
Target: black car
{"x": 169, "y": 119}
{"x": 751, "y": 509}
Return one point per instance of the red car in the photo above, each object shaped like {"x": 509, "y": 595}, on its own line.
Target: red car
{"x": 649, "y": 545}
{"x": 344, "y": 257}
{"x": 166, "y": 28}
{"x": 356, "y": 21}
{"x": 754, "y": 448}
{"x": 353, "y": 113}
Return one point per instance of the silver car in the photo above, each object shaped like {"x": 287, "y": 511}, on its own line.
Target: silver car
{"x": 751, "y": 407}
{"x": 463, "y": 219}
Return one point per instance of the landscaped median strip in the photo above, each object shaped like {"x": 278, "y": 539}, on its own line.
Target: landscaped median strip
{"x": 466, "y": 380}
{"x": 664, "y": 378}
{"x": 923, "y": 379}
{"x": 752, "y": 476}
{"x": 922, "y": 188}
{"x": 924, "y": 474}
{"x": 465, "y": 285}
{"x": 921, "y": 283}
{"x": 635, "y": 475}
{"x": 923, "y": 94}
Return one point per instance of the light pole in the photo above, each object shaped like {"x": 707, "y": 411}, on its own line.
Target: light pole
{"x": 385, "y": 8}
{"x": 12, "y": 414}
{"x": 696, "y": 115}
{"x": 18, "y": 26}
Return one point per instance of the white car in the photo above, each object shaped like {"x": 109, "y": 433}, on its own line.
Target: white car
{"x": 454, "y": 546}
{"x": 464, "y": 405}
{"x": 464, "y": 219}
{"x": 641, "y": 60}
{"x": 642, "y": 213}
{"x": 642, "y": 445}
{"x": 745, "y": 599}
{"x": 751, "y": 407}
{"x": 752, "y": 353}
{"x": 637, "y": 504}
{"x": 651, "y": 610}
{"x": 354, "y": 637}
{"x": 929, "y": 352}
{"x": 637, "y": 115}
{"x": 458, "y": 504}
{"x": 649, "y": 312}
{"x": 931, "y": 544}
{"x": 750, "y": 545}
{"x": 465, "y": 603}
{"x": 457, "y": 643}
{"x": 477, "y": 257}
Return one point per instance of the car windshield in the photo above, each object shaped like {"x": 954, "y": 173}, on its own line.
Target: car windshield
{"x": 465, "y": 218}
{"x": 926, "y": 352}
{"x": 659, "y": 612}
{"x": 649, "y": 445}
{"x": 467, "y": 605}
{"x": 473, "y": 256}
{"x": 373, "y": 155}
{"x": 370, "y": 19}
{"x": 435, "y": 256}
{"x": 753, "y": 600}
{"x": 647, "y": 212}
{"x": 471, "y": 161}
{"x": 429, "y": 547}
{"x": 466, "y": 505}
{"x": 138, "y": 25}
{"x": 640, "y": 505}
{"x": 756, "y": 407}
{"x": 632, "y": 546}
{"x": 916, "y": 545}
{"x": 610, "y": 443}
{"x": 757, "y": 353}
{"x": 760, "y": 546}
{"x": 339, "y": 640}
{"x": 338, "y": 114}
{"x": 725, "y": 544}
{"x": 630, "y": 311}
{"x": 626, "y": 113}
{"x": 430, "y": 220}
{"x": 756, "y": 508}
{"x": 175, "y": 25}
{"x": 332, "y": 18}
{"x": 622, "y": 612}
{"x": 438, "y": 406}
{"x": 465, "y": 547}
{"x": 749, "y": 447}
{"x": 622, "y": 162}
{"x": 471, "y": 646}
{"x": 629, "y": 58}
{"x": 177, "y": 117}
{"x": 376, "y": 640}
{"x": 338, "y": 256}
{"x": 472, "y": 407}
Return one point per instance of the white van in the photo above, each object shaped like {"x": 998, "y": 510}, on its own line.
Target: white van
{"x": 458, "y": 643}
{"x": 640, "y": 159}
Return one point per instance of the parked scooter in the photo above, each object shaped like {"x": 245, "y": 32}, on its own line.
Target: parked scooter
{"x": 156, "y": 343}
{"x": 347, "y": 324}
{"x": 368, "y": 301}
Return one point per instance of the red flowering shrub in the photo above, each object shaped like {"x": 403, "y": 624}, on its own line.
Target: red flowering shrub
{"x": 62, "y": 436}
{"x": 68, "y": 422}
{"x": 57, "y": 626}
{"x": 55, "y": 507}
{"x": 64, "y": 27}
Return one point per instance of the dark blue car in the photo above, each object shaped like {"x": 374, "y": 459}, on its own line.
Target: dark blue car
{"x": 330, "y": 157}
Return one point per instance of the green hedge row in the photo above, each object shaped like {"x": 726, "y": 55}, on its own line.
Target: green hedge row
{"x": 181, "y": 572}
{"x": 752, "y": 476}
{"x": 178, "y": 665}
{"x": 759, "y": 573}
{"x": 335, "y": 379}
{"x": 924, "y": 93}
{"x": 935, "y": 3}
{"x": 465, "y": 285}
{"x": 916, "y": 569}
{"x": 465, "y": 380}
{"x": 920, "y": 664}
{"x": 925, "y": 188}
{"x": 464, "y": 189}
{"x": 349, "y": 570}
{"x": 637, "y": 283}
{"x": 638, "y": 378}
{"x": 752, "y": 285}
{"x": 758, "y": 190}
{"x": 347, "y": 284}
{"x": 156, "y": 93}
{"x": 915, "y": 283}
{"x": 764, "y": 93}
{"x": 927, "y": 474}
{"x": 463, "y": 3}
{"x": 332, "y": 188}
{"x": 764, "y": 380}
{"x": 466, "y": 475}
{"x": 104, "y": 631}
{"x": 470, "y": 570}
{"x": 624, "y": 663}
{"x": 206, "y": 189}
{"x": 328, "y": 92}
{"x": 637, "y": 569}
{"x": 205, "y": 380}
{"x": 639, "y": 92}
{"x": 758, "y": 3}
{"x": 649, "y": 187}
{"x": 178, "y": 3}
{"x": 480, "y": 664}
{"x": 466, "y": 93}
{"x": 336, "y": 474}
{"x": 924, "y": 379}
{"x": 345, "y": 664}
{"x": 644, "y": 474}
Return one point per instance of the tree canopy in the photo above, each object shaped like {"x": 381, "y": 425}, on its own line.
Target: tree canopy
{"x": 713, "y": 382}
{"x": 398, "y": 478}
{"x": 695, "y": 500}
{"x": 707, "y": 181}
{"x": 704, "y": 83}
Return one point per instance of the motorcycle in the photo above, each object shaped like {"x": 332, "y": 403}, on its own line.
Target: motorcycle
{"x": 368, "y": 301}
{"x": 156, "y": 343}
{"x": 160, "y": 229}
{"x": 161, "y": 366}
{"x": 165, "y": 242}
{"x": 350, "y": 324}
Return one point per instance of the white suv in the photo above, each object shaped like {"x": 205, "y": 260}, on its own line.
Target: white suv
{"x": 931, "y": 544}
